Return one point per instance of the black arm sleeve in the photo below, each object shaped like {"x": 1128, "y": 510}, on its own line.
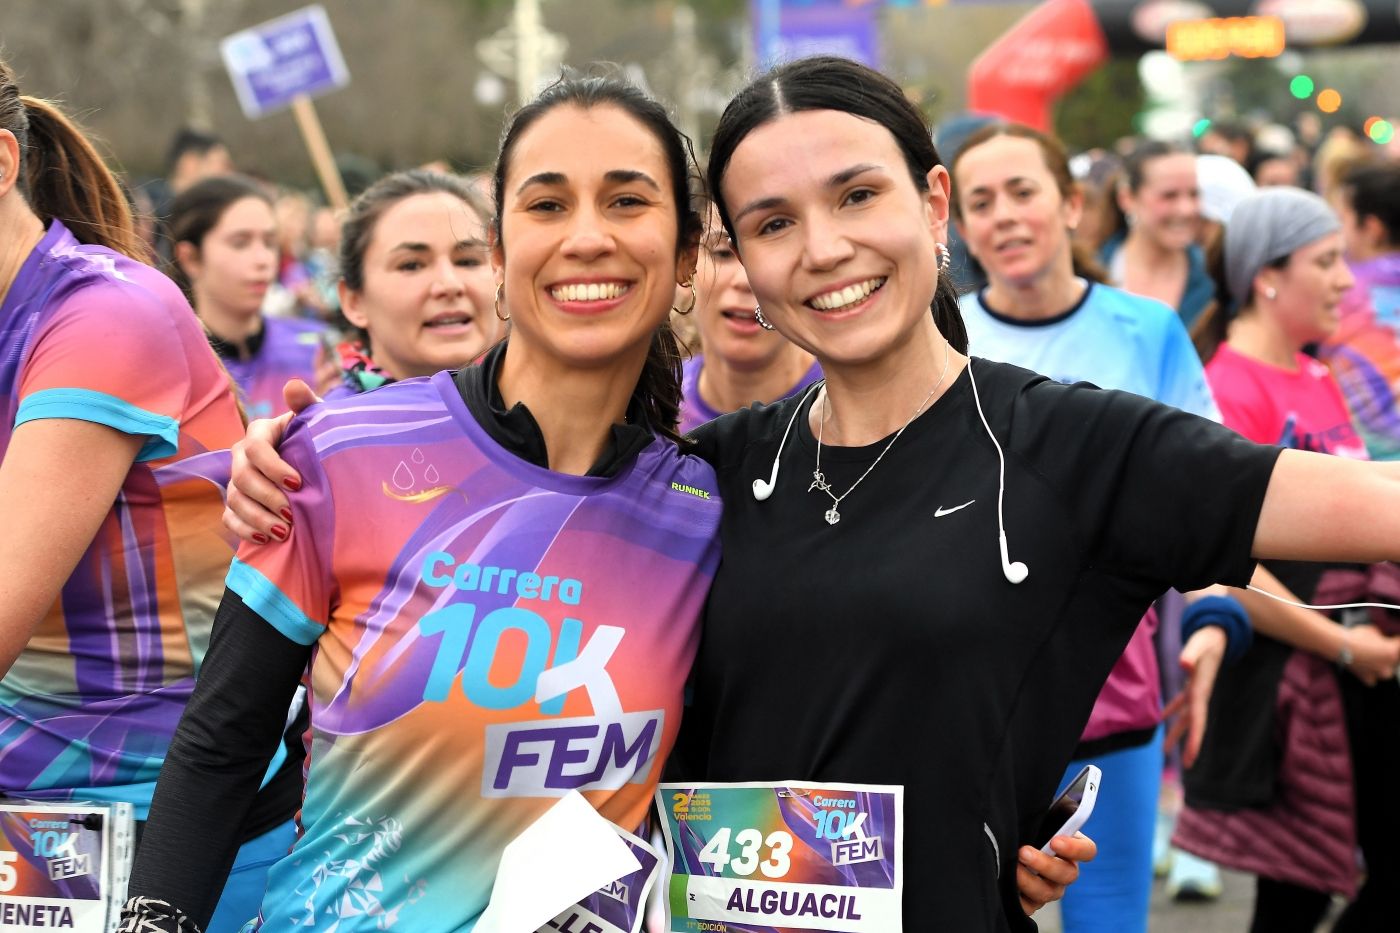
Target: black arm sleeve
{"x": 226, "y": 738}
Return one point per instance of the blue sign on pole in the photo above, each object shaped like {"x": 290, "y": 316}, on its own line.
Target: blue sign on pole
{"x": 788, "y": 29}
{"x": 284, "y": 58}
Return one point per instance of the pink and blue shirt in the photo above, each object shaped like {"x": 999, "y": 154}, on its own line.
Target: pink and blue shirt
{"x": 287, "y": 350}
{"x": 90, "y": 705}
{"x": 488, "y": 635}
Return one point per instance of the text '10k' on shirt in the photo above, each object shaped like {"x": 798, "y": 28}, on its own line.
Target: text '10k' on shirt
{"x": 90, "y": 706}
{"x": 889, "y": 648}
{"x": 488, "y": 634}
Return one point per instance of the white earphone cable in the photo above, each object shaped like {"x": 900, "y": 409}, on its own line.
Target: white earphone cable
{"x": 1290, "y": 602}
{"x": 762, "y": 489}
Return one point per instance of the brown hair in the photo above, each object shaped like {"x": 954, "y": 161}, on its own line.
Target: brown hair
{"x": 196, "y": 211}
{"x": 1056, "y": 159}
{"x": 62, "y": 177}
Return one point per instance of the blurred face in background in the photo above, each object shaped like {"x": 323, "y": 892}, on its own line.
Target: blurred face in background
{"x": 230, "y": 271}
{"x": 325, "y": 231}
{"x": 1278, "y": 170}
{"x": 724, "y": 305}
{"x": 1166, "y": 207}
{"x": 1014, "y": 219}
{"x": 1308, "y": 290}
{"x": 293, "y": 222}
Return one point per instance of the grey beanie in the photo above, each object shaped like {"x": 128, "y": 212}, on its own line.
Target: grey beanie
{"x": 1268, "y": 225}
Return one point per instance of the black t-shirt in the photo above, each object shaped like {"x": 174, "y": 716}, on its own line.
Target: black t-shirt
{"x": 890, "y": 648}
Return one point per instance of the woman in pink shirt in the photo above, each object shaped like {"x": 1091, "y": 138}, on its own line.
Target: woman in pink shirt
{"x": 1297, "y": 767}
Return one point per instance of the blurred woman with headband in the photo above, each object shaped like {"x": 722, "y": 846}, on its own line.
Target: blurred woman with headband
{"x": 1299, "y": 765}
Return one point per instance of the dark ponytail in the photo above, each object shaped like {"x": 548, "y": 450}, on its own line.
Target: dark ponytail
{"x": 825, "y": 82}
{"x": 62, "y": 176}
{"x": 658, "y": 389}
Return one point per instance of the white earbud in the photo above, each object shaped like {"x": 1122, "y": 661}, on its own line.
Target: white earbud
{"x": 762, "y": 489}
{"x": 1015, "y": 571}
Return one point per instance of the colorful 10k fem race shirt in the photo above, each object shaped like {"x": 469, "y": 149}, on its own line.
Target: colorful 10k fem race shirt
{"x": 88, "y": 709}
{"x": 488, "y": 634}
{"x": 287, "y": 351}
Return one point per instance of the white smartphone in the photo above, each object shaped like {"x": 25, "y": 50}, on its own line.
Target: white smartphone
{"x": 1070, "y": 811}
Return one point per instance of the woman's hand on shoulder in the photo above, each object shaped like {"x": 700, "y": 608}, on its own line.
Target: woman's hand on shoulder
{"x": 257, "y": 509}
{"x": 1042, "y": 878}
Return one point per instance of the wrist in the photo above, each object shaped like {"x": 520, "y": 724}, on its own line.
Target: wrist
{"x": 1225, "y": 613}
{"x": 1345, "y": 657}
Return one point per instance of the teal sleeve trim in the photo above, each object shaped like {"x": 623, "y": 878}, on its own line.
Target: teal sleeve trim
{"x": 138, "y": 795}
{"x": 263, "y": 597}
{"x": 101, "y": 408}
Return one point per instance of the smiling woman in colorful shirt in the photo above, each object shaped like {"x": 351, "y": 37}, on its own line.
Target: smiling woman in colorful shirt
{"x": 496, "y": 577}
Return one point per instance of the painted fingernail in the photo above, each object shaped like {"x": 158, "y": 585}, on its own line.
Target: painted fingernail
{"x": 259, "y": 537}
{"x": 292, "y": 483}
{"x": 287, "y": 514}
{"x": 279, "y": 532}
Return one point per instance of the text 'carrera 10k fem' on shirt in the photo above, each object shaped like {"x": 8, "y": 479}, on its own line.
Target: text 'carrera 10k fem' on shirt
{"x": 89, "y": 707}
{"x": 488, "y": 636}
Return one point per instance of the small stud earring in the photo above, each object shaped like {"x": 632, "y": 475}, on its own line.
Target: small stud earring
{"x": 1270, "y": 293}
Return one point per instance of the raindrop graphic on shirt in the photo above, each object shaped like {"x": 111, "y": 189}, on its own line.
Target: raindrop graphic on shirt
{"x": 407, "y": 486}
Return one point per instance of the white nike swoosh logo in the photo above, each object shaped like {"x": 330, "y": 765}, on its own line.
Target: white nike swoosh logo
{"x": 942, "y": 511}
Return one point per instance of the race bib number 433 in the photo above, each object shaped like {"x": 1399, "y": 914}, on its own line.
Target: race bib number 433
{"x": 758, "y": 858}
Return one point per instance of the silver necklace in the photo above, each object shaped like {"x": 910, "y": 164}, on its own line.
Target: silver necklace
{"x": 833, "y": 514}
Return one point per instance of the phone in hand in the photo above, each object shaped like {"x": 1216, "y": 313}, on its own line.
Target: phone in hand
{"x": 1070, "y": 811}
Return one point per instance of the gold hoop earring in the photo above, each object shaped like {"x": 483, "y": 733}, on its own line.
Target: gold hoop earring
{"x": 675, "y": 309}
{"x": 500, "y": 290}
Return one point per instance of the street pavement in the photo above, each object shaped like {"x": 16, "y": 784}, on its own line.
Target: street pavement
{"x": 1229, "y": 914}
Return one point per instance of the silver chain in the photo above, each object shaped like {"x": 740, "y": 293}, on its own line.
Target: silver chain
{"x": 833, "y": 514}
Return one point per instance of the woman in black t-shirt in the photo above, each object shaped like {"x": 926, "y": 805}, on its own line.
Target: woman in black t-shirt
{"x": 927, "y": 576}
{"x": 934, "y": 592}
